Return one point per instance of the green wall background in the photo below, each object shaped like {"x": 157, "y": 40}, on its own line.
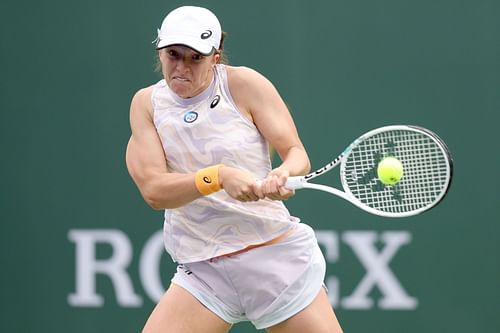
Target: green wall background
{"x": 69, "y": 69}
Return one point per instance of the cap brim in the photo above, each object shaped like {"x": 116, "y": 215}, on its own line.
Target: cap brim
{"x": 196, "y": 45}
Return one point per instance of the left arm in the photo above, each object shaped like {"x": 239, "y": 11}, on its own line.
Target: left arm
{"x": 259, "y": 100}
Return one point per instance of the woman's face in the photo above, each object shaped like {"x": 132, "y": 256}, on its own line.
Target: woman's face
{"x": 186, "y": 71}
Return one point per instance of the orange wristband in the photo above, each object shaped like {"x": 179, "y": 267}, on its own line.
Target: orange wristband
{"x": 207, "y": 179}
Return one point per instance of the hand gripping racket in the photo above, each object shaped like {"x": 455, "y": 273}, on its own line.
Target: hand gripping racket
{"x": 427, "y": 166}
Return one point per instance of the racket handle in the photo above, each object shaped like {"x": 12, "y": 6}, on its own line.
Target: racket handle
{"x": 295, "y": 182}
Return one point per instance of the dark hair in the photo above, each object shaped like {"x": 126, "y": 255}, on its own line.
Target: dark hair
{"x": 222, "y": 60}
{"x": 223, "y": 57}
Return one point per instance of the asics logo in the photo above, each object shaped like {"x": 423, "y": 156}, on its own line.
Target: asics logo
{"x": 215, "y": 101}
{"x": 206, "y": 34}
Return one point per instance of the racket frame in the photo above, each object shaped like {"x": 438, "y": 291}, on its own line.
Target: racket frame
{"x": 300, "y": 182}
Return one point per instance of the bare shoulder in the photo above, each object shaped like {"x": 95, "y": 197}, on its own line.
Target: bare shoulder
{"x": 141, "y": 102}
{"x": 249, "y": 87}
{"x": 244, "y": 77}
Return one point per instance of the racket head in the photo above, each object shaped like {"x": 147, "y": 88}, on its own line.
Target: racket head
{"x": 427, "y": 164}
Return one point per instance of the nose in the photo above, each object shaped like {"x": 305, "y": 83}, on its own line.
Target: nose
{"x": 183, "y": 64}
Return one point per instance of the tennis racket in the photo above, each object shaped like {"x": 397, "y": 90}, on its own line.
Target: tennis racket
{"x": 427, "y": 174}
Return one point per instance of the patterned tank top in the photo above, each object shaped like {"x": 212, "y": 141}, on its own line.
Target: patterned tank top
{"x": 202, "y": 131}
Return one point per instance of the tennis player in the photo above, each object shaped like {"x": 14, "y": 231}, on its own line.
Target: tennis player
{"x": 199, "y": 144}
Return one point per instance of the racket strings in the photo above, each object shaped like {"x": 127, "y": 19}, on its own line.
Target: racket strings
{"x": 425, "y": 178}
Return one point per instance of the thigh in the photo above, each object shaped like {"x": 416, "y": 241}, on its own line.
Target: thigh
{"x": 180, "y": 312}
{"x": 318, "y": 317}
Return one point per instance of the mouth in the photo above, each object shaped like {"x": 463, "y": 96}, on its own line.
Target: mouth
{"x": 181, "y": 79}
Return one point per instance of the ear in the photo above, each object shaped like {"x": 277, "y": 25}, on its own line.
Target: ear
{"x": 217, "y": 58}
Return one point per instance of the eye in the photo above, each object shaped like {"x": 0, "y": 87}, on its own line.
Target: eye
{"x": 172, "y": 53}
{"x": 197, "y": 57}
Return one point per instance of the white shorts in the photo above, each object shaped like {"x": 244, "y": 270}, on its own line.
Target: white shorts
{"x": 265, "y": 285}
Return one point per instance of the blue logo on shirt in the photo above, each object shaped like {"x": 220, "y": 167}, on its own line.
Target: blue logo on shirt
{"x": 190, "y": 116}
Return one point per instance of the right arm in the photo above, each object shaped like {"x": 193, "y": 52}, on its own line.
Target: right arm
{"x": 147, "y": 164}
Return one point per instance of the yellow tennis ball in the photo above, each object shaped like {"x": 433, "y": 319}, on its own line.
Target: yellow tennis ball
{"x": 390, "y": 170}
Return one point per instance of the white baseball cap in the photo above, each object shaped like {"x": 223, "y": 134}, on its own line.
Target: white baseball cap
{"x": 194, "y": 27}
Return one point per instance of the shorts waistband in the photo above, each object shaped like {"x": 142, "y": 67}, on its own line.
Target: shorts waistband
{"x": 253, "y": 246}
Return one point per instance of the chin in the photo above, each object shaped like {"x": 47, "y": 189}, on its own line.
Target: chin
{"x": 180, "y": 91}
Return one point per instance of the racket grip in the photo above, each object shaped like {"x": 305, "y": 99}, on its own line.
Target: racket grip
{"x": 295, "y": 182}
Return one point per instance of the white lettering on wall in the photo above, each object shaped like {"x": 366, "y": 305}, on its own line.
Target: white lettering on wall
{"x": 378, "y": 272}
{"x": 374, "y": 259}
{"x": 115, "y": 267}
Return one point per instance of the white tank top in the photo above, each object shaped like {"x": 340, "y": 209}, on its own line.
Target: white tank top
{"x": 199, "y": 132}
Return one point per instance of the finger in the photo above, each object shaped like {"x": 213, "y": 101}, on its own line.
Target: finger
{"x": 257, "y": 190}
{"x": 281, "y": 180}
{"x": 273, "y": 197}
{"x": 281, "y": 176}
{"x": 249, "y": 196}
{"x": 243, "y": 198}
{"x": 264, "y": 187}
{"x": 252, "y": 197}
{"x": 286, "y": 193}
{"x": 273, "y": 185}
